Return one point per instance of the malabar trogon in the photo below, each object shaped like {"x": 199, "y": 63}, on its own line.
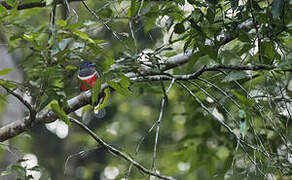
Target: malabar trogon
{"x": 87, "y": 77}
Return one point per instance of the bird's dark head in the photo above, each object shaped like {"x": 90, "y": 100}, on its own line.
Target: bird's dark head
{"x": 87, "y": 64}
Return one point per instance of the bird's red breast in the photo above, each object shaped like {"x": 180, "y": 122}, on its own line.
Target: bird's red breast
{"x": 87, "y": 81}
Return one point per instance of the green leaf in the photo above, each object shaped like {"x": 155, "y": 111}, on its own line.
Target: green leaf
{"x": 82, "y": 35}
{"x": 242, "y": 114}
{"x": 243, "y": 122}
{"x": 8, "y": 84}
{"x": 60, "y": 112}
{"x": 194, "y": 58}
{"x": 28, "y": 37}
{"x": 243, "y": 128}
{"x": 277, "y": 8}
{"x": 234, "y": 4}
{"x": 64, "y": 43}
{"x": 197, "y": 15}
{"x": 223, "y": 152}
{"x": 246, "y": 101}
{"x": 228, "y": 56}
{"x": 75, "y": 26}
{"x": 284, "y": 64}
{"x": 179, "y": 28}
{"x": 11, "y": 3}
{"x": 97, "y": 41}
{"x": 269, "y": 52}
{"x": 49, "y": 2}
{"x": 3, "y": 11}
{"x": 61, "y": 23}
{"x": 3, "y": 72}
{"x": 85, "y": 36}
{"x": 86, "y": 108}
{"x": 69, "y": 67}
{"x": 180, "y": 2}
{"x": 125, "y": 81}
{"x": 105, "y": 100}
{"x": 210, "y": 14}
{"x": 107, "y": 63}
{"x": 133, "y": 10}
{"x": 119, "y": 88}
{"x": 88, "y": 86}
{"x": 191, "y": 1}
{"x": 235, "y": 76}
{"x": 95, "y": 90}
{"x": 5, "y": 173}
{"x": 150, "y": 22}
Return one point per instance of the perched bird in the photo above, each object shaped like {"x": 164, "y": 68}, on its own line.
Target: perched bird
{"x": 87, "y": 77}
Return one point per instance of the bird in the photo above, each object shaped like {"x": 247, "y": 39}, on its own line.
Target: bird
{"x": 87, "y": 77}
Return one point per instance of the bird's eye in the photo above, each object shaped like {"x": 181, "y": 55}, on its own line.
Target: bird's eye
{"x": 91, "y": 64}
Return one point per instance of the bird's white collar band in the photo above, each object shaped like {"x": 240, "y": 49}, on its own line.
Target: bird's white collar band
{"x": 87, "y": 77}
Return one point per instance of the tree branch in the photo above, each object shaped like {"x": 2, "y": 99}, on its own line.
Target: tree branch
{"x": 203, "y": 69}
{"x": 238, "y": 139}
{"x": 24, "y": 102}
{"x": 31, "y": 5}
{"x": 43, "y": 4}
{"x": 45, "y": 116}
{"x": 32, "y": 111}
{"x": 117, "y": 152}
{"x": 162, "y": 107}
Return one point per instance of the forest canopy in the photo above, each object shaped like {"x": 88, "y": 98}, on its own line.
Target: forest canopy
{"x": 189, "y": 89}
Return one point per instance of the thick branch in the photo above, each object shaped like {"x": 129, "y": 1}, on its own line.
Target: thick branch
{"x": 117, "y": 152}
{"x": 201, "y": 71}
{"x": 46, "y": 116}
{"x": 43, "y": 4}
{"x": 23, "y": 101}
{"x": 31, "y": 5}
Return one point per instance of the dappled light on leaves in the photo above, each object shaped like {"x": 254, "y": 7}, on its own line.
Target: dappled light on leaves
{"x": 111, "y": 172}
{"x": 186, "y": 89}
{"x": 59, "y": 128}
{"x": 29, "y": 163}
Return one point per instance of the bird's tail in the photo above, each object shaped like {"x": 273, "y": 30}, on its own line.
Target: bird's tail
{"x": 100, "y": 113}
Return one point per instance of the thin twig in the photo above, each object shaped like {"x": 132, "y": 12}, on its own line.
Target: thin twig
{"x": 140, "y": 8}
{"x": 101, "y": 20}
{"x": 80, "y": 154}
{"x": 240, "y": 141}
{"x": 133, "y": 34}
{"x": 163, "y": 101}
{"x": 199, "y": 72}
{"x": 144, "y": 136}
{"x": 14, "y": 151}
{"x": 31, "y": 5}
{"x": 215, "y": 100}
{"x": 23, "y": 101}
{"x": 206, "y": 109}
{"x": 15, "y": 128}
{"x": 117, "y": 152}
{"x": 53, "y": 15}
{"x": 221, "y": 90}
{"x": 141, "y": 140}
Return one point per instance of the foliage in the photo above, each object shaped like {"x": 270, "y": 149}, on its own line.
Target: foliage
{"x": 125, "y": 37}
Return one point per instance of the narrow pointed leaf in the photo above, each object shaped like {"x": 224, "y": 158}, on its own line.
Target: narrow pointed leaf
{"x": 60, "y": 112}
{"x": 104, "y": 101}
{"x": 95, "y": 90}
{"x": 122, "y": 90}
{"x": 3, "y": 72}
